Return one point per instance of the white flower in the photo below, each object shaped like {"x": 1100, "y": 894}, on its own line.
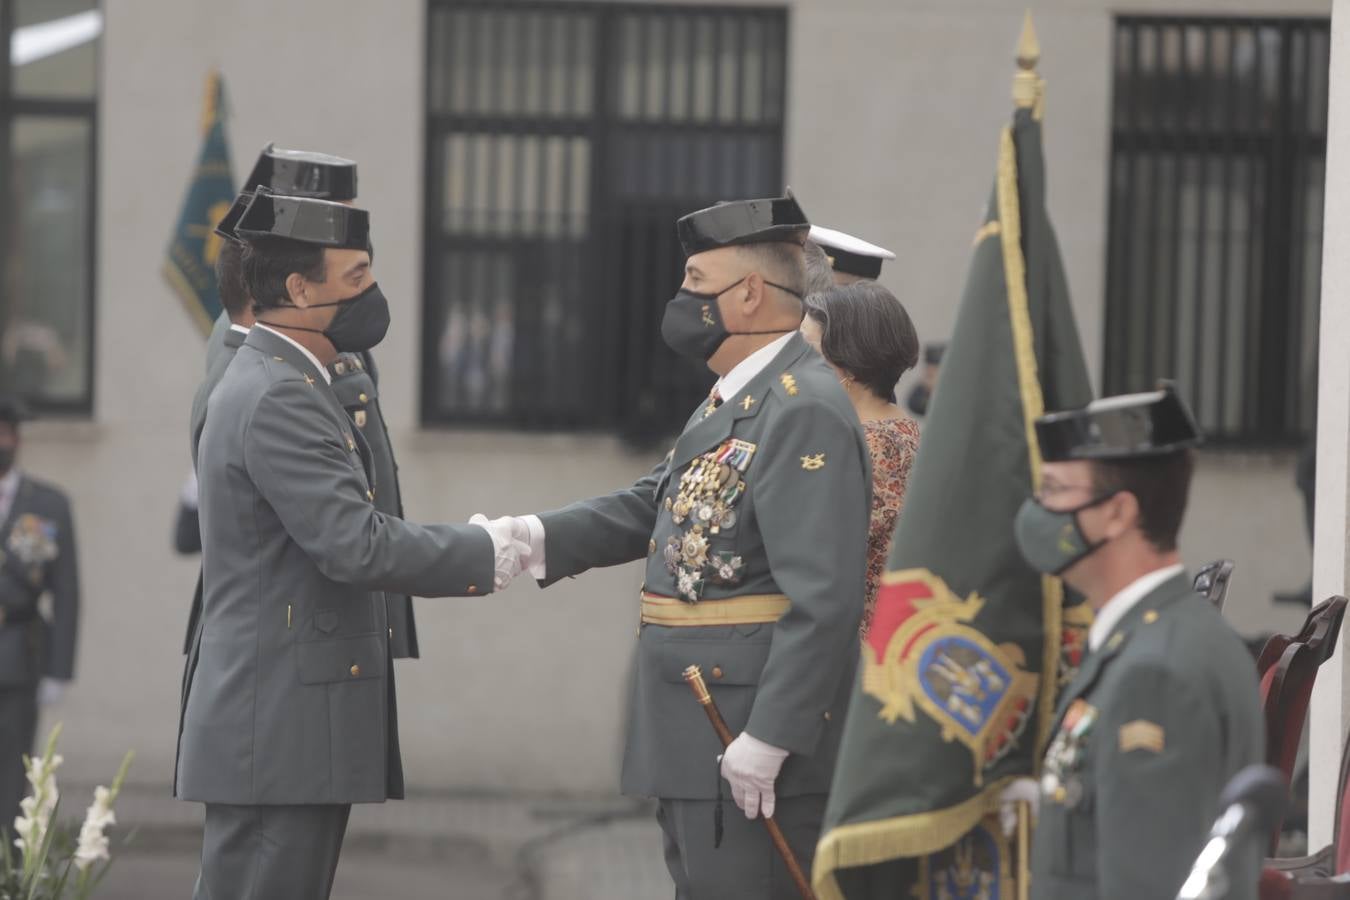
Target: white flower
{"x": 93, "y": 844}
{"x": 31, "y": 826}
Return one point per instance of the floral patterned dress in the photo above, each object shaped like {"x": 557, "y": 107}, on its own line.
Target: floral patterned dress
{"x": 893, "y": 444}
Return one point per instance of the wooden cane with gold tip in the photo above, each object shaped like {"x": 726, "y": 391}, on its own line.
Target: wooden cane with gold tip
{"x": 694, "y": 677}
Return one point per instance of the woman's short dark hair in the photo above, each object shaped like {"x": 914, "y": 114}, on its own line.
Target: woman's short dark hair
{"x": 268, "y": 262}
{"x": 866, "y": 333}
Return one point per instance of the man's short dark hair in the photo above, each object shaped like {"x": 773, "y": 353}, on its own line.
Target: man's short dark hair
{"x": 268, "y": 262}
{"x": 230, "y": 278}
{"x": 866, "y": 333}
{"x": 819, "y": 272}
{"x": 779, "y": 262}
{"x": 1160, "y": 484}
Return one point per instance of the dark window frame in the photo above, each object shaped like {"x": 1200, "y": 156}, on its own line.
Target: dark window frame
{"x": 616, "y": 351}
{"x": 1213, "y": 120}
{"x": 11, "y": 108}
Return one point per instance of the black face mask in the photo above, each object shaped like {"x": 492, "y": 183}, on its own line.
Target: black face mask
{"x": 361, "y": 322}
{"x": 693, "y": 325}
{"x": 7, "y": 455}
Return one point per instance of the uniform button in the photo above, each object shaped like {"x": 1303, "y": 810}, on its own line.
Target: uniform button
{"x": 356, "y": 671}
{"x": 473, "y": 589}
{"x": 717, "y": 671}
{"x": 827, "y": 715}
{"x": 1150, "y": 617}
{"x": 651, "y": 547}
{"x": 1061, "y": 794}
{"x": 363, "y": 398}
{"x": 391, "y": 634}
{"x": 370, "y": 495}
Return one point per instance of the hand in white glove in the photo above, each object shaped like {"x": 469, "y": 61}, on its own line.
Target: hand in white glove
{"x": 50, "y": 691}
{"x": 512, "y": 553}
{"x": 1022, "y": 789}
{"x": 751, "y": 767}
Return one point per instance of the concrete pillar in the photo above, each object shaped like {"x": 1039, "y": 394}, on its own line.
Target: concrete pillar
{"x": 1330, "y": 560}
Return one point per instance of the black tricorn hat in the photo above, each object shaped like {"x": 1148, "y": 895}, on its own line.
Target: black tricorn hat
{"x": 302, "y": 173}
{"x": 304, "y": 219}
{"x": 775, "y": 219}
{"x": 225, "y": 227}
{"x": 12, "y": 410}
{"x": 1129, "y": 426}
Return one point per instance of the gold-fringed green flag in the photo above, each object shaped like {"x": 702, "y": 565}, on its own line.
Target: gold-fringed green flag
{"x": 190, "y": 263}
{"x": 968, "y": 644}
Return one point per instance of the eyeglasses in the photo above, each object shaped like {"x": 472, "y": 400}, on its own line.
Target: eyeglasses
{"x": 1053, "y": 490}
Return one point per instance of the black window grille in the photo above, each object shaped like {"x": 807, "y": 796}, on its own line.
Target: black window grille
{"x": 48, "y": 88}
{"x": 563, "y": 140}
{"x": 1215, "y": 236}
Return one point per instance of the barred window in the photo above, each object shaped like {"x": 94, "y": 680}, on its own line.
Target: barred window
{"x": 1218, "y": 157}
{"x": 563, "y": 141}
{"x": 48, "y": 65}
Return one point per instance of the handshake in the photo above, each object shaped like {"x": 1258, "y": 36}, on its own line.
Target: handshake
{"x": 517, "y": 542}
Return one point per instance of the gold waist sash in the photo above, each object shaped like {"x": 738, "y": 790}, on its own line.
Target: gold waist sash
{"x": 752, "y": 609}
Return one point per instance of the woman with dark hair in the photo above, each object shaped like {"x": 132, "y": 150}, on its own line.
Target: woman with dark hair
{"x": 863, "y": 331}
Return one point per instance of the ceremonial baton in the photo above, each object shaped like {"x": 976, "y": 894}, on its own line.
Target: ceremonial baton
{"x": 694, "y": 678}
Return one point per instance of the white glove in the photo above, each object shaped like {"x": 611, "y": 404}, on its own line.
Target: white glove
{"x": 50, "y": 691}
{"x": 751, "y": 766}
{"x": 1022, "y": 789}
{"x": 509, "y": 550}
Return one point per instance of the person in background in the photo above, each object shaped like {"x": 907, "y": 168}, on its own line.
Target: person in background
{"x": 864, "y": 332}
{"x": 37, "y": 560}
{"x": 921, "y": 397}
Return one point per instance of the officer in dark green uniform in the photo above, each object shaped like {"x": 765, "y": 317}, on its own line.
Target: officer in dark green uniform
{"x": 755, "y": 534}
{"x": 1164, "y": 708}
{"x": 301, "y": 173}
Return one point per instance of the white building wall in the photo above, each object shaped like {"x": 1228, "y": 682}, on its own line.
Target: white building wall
{"x": 895, "y": 107}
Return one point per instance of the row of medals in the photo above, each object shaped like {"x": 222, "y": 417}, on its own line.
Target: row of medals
{"x": 707, "y": 496}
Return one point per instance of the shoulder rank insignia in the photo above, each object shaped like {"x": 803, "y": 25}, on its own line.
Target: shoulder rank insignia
{"x": 925, "y": 656}
{"x": 1142, "y": 734}
{"x": 813, "y": 463}
{"x": 789, "y": 384}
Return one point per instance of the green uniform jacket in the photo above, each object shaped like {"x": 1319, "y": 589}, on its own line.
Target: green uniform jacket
{"x": 1156, "y": 722}
{"x": 288, "y": 691}
{"x": 37, "y": 558}
{"x": 356, "y": 384}
{"x": 796, "y": 525}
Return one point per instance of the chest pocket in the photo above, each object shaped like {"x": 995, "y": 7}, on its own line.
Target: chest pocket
{"x": 706, "y": 512}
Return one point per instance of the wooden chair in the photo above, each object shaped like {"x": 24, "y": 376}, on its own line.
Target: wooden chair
{"x": 1288, "y": 667}
{"x": 1211, "y": 582}
{"x": 1311, "y": 877}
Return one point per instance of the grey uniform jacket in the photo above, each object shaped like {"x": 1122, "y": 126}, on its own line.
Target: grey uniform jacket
{"x": 1148, "y": 733}
{"x": 799, "y": 528}
{"x": 37, "y": 557}
{"x": 288, "y": 695}
{"x": 221, "y": 347}
{"x": 356, "y": 384}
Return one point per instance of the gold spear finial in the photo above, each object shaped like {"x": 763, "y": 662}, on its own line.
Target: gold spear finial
{"x": 1028, "y": 89}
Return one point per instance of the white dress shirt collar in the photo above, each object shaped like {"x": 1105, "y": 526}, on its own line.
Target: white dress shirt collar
{"x": 1109, "y": 616}
{"x": 323, "y": 370}
{"x": 242, "y": 330}
{"x": 731, "y": 384}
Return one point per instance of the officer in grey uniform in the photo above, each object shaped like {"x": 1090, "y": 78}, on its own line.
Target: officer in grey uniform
{"x": 289, "y": 713}
{"x": 37, "y": 560}
{"x": 1164, "y": 709}
{"x": 301, "y": 173}
{"x": 755, "y": 532}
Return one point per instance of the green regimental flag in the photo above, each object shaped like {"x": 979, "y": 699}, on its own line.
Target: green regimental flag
{"x": 968, "y": 646}
{"x": 190, "y": 263}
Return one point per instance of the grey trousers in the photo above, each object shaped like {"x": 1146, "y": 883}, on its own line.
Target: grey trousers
{"x": 18, "y": 722}
{"x": 270, "y": 852}
{"x": 746, "y": 866}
